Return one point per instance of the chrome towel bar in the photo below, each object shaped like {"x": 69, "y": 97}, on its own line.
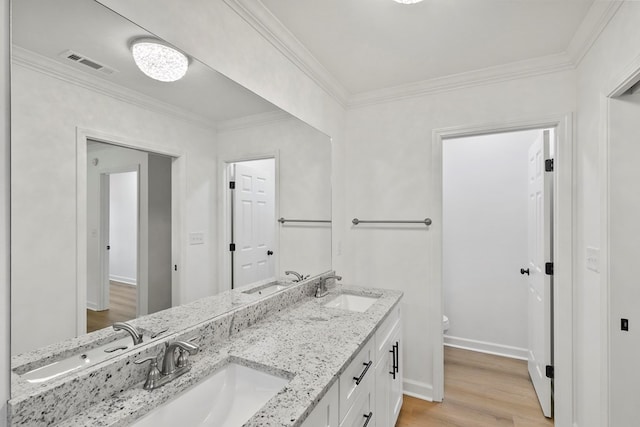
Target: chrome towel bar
{"x": 426, "y": 221}
{"x": 283, "y": 220}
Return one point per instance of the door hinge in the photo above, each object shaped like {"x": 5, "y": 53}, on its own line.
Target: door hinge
{"x": 549, "y": 371}
{"x": 232, "y": 247}
{"x": 548, "y": 268}
{"x": 548, "y": 165}
{"x": 232, "y": 185}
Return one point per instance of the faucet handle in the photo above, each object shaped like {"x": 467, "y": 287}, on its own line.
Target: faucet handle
{"x": 154, "y": 373}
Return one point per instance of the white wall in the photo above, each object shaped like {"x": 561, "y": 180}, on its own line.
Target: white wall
{"x": 617, "y": 47}
{"x": 44, "y": 196}
{"x": 484, "y": 215}
{"x": 4, "y": 211}
{"x": 123, "y": 227}
{"x": 390, "y": 156}
{"x": 304, "y": 192}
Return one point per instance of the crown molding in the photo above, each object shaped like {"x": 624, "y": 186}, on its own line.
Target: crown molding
{"x": 57, "y": 70}
{"x": 501, "y": 73}
{"x": 253, "y": 120}
{"x": 598, "y": 17}
{"x": 256, "y": 14}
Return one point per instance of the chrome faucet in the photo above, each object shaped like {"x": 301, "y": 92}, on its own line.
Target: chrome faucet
{"x": 321, "y": 290}
{"x": 300, "y": 277}
{"x": 172, "y": 367}
{"x": 169, "y": 362}
{"x": 135, "y": 334}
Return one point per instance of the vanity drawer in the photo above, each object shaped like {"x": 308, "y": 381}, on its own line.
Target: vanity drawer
{"x": 363, "y": 411}
{"x": 383, "y": 334}
{"x": 355, "y": 379}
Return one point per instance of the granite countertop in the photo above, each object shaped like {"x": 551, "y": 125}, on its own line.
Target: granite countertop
{"x": 307, "y": 342}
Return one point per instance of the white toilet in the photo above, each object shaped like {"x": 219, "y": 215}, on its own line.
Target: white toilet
{"x": 445, "y": 324}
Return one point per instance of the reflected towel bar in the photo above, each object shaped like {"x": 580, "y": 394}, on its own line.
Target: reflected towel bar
{"x": 283, "y": 220}
{"x": 426, "y": 221}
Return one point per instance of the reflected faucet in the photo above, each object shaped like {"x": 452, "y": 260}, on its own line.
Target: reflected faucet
{"x": 300, "y": 277}
{"x": 321, "y": 290}
{"x": 135, "y": 334}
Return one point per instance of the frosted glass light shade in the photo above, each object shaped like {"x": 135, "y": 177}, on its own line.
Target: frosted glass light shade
{"x": 159, "y": 61}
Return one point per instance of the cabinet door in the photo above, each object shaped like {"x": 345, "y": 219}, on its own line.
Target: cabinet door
{"x": 383, "y": 388}
{"x": 325, "y": 414}
{"x": 362, "y": 412}
{"x": 395, "y": 392}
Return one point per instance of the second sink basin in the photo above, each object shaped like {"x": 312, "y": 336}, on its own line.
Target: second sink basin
{"x": 227, "y": 398}
{"x": 352, "y": 302}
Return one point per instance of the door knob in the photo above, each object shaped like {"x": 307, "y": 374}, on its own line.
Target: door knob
{"x": 523, "y": 271}
{"x": 269, "y": 252}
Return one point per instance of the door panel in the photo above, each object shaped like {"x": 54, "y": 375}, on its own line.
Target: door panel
{"x": 539, "y": 283}
{"x": 624, "y": 255}
{"x": 254, "y": 223}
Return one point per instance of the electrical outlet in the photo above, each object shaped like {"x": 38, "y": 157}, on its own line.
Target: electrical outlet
{"x": 593, "y": 259}
{"x": 196, "y": 238}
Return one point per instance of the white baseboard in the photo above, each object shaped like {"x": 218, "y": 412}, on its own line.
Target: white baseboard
{"x": 417, "y": 389}
{"x": 92, "y": 306}
{"x": 125, "y": 280}
{"x": 486, "y": 347}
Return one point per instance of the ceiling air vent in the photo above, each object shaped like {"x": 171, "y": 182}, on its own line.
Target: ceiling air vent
{"x": 83, "y": 60}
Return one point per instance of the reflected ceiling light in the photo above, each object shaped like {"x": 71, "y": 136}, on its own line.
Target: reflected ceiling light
{"x": 407, "y": 1}
{"x": 158, "y": 60}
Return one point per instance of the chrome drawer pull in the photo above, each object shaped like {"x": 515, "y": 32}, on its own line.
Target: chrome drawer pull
{"x": 368, "y": 417}
{"x": 367, "y": 366}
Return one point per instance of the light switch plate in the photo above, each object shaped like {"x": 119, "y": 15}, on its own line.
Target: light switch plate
{"x": 196, "y": 238}
{"x": 593, "y": 259}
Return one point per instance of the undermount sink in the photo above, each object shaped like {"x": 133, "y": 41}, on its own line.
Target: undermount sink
{"x": 227, "y": 398}
{"x": 78, "y": 361}
{"x": 351, "y": 302}
{"x": 268, "y": 289}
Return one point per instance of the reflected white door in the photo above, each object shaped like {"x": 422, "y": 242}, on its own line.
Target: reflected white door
{"x": 254, "y": 222}
{"x": 540, "y": 252}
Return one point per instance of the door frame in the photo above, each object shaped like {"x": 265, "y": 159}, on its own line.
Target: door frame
{"x": 563, "y": 250}
{"x": 105, "y": 203}
{"x": 616, "y": 87}
{"x": 224, "y": 230}
{"x": 178, "y": 217}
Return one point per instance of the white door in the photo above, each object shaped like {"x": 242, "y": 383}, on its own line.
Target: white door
{"x": 105, "y": 245}
{"x": 253, "y": 222}
{"x": 624, "y": 260}
{"x": 539, "y": 253}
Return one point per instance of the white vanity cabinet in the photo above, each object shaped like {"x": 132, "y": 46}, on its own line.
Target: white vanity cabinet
{"x": 325, "y": 414}
{"x": 388, "y": 387}
{"x": 369, "y": 391}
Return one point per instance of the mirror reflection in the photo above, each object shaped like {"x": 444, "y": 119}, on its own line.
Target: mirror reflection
{"x": 130, "y": 194}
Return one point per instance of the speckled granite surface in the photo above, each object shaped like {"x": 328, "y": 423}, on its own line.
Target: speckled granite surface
{"x": 319, "y": 343}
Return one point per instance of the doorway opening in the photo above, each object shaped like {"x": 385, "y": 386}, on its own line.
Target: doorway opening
{"x": 564, "y": 219}
{"x": 129, "y": 234}
{"x": 251, "y": 225}
{"x": 496, "y": 241}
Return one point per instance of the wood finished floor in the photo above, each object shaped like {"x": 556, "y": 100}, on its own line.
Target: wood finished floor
{"x": 481, "y": 390}
{"x": 122, "y": 307}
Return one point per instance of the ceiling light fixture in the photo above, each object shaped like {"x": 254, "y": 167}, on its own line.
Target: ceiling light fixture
{"x": 158, "y": 60}
{"x": 407, "y": 1}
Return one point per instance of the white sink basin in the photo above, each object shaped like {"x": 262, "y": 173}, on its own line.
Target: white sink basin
{"x": 78, "y": 361}
{"x": 227, "y": 398}
{"x": 352, "y": 302}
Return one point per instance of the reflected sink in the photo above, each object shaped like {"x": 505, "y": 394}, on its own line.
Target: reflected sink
{"x": 78, "y": 361}
{"x": 268, "y": 289}
{"x": 352, "y": 302}
{"x": 227, "y": 398}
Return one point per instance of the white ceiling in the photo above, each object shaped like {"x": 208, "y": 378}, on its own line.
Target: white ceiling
{"x": 49, "y": 28}
{"x": 373, "y": 44}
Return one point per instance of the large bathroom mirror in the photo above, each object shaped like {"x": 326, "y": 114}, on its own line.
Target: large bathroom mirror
{"x": 131, "y": 195}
